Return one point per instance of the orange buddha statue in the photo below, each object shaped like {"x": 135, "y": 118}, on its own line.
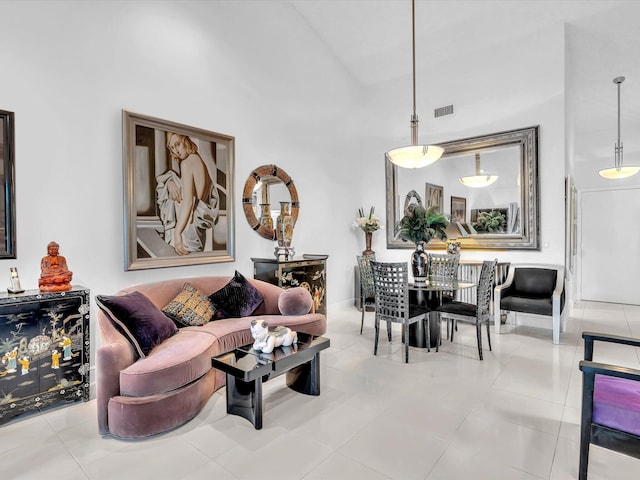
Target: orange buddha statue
{"x": 55, "y": 275}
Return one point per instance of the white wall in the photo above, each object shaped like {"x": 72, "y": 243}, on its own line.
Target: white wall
{"x": 249, "y": 69}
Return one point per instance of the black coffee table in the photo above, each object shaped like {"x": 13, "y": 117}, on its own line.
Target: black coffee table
{"x": 246, "y": 369}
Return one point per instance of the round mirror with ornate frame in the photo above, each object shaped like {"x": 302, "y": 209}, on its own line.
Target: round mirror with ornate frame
{"x": 260, "y": 192}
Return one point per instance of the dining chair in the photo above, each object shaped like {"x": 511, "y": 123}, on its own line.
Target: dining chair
{"x": 367, "y": 293}
{"x": 479, "y": 313}
{"x": 443, "y": 270}
{"x": 610, "y": 402}
{"x": 391, "y": 287}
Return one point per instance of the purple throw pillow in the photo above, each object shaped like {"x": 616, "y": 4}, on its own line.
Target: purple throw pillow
{"x": 236, "y": 299}
{"x": 138, "y": 319}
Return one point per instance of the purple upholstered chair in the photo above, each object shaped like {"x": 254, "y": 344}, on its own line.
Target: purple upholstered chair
{"x": 610, "y": 403}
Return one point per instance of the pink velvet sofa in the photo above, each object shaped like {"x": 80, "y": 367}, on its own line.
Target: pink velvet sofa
{"x": 139, "y": 397}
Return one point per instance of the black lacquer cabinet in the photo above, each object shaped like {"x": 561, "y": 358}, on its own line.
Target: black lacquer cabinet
{"x": 44, "y": 350}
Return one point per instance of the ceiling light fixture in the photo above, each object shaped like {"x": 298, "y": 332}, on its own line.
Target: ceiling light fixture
{"x": 414, "y": 155}
{"x": 618, "y": 170}
{"x": 479, "y": 180}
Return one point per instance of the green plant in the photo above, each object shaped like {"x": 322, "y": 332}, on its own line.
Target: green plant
{"x": 490, "y": 222}
{"x": 421, "y": 225}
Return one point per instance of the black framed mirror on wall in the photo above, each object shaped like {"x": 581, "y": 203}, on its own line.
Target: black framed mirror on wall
{"x": 507, "y": 164}
{"x": 7, "y": 181}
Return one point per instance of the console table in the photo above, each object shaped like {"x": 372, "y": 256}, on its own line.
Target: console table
{"x": 44, "y": 347}
{"x": 309, "y": 271}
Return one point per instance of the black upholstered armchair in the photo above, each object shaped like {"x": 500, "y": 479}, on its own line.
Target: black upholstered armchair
{"x": 532, "y": 289}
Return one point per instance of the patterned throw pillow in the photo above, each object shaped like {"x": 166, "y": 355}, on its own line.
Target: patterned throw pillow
{"x": 190, "y": 307}
{"x": 138, "y": 319}
{"x": 238, "y": 298}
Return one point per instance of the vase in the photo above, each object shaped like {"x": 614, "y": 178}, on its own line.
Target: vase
{"x": 368, "y": 236}
{"x": 284, "y": 232}
{"x": 419, "y": 264}
{"x": 453, "y": 247}
{"x": 265, "y": 216}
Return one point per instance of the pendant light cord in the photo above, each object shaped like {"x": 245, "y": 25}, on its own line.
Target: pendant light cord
{"x": 413, "y": 47}
{"x": 618, "y": 147}
{"x": 414, "y": 116}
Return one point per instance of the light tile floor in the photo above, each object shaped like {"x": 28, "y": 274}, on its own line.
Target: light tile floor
{"x": 444, "y": 415}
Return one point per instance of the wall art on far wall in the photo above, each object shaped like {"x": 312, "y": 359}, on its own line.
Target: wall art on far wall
{"x": 458, "y": 209}
{"x": 7, "y": 183}
{"x": 178, "y": 194}
{"x": 433, "y": 196}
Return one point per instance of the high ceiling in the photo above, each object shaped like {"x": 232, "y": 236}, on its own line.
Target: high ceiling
{"x": 372, "y": 39}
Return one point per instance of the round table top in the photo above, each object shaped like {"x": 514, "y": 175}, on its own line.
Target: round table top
{"x": 435, "y": 287}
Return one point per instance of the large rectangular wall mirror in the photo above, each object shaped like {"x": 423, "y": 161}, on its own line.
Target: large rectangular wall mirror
{"x": 7, "y": 198}
{"x": 503, "y": 215}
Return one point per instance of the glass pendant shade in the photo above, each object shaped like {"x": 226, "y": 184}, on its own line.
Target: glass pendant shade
{"x": 615, "y": 173}
{"x": 479, "y": 180}
{"x": 415, "y": 156}
{"x": 618, "y": 171}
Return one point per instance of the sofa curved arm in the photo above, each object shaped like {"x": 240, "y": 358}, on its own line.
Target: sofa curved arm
{"x": 111, "y": 358}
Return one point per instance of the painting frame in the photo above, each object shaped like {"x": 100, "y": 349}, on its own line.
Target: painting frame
{"x": 434, "y": 196}
{"x": 7, "y": 181}
{"x": 152, "y": 151}
{"x": 458, "y": 209}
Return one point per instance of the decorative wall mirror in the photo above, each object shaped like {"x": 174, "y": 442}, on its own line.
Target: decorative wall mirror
{"x": 7, "y": 198}
{"x": 265, "y": 188}
{"x": 512, "y": 199}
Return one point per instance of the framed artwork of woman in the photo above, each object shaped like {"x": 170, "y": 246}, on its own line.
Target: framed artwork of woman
{"x": 178, "y": 194}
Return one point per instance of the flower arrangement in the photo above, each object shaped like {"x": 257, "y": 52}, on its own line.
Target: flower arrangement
{"x": 421, "y": 225}
{"x": 367, "y": 223}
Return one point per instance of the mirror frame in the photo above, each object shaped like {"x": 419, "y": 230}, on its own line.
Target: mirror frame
{"x": 247, "y": 196}
{"x": 529, "y": 238}
{"x": 8, "y": 250}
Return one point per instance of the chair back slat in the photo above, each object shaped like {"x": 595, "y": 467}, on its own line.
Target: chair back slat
{"x": 443, "y": 268}
{"x": 366, "y": 275}
{"x": 485, "y": 289}
{"x": 391, "y": 291}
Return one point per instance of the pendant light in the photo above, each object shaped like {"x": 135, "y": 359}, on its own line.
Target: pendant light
{"x": 618, "y": 170}
{"x": 414, "y": 155}
{"x": 479, "y": 180}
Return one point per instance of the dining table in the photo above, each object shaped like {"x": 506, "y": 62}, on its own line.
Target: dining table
{"x": 431, "y": 295}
